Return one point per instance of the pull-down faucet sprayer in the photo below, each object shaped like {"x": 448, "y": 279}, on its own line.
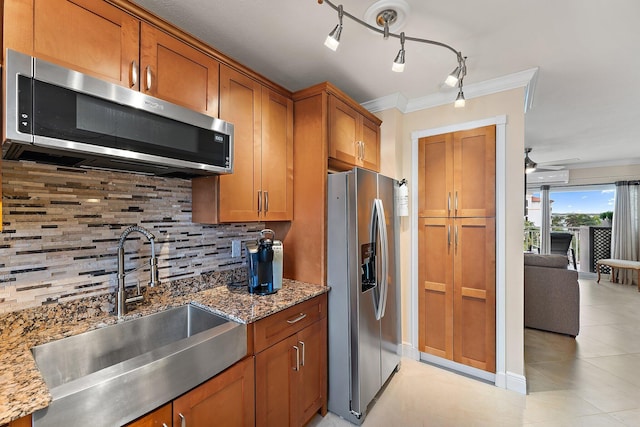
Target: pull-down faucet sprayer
{"x": 121, "y": 297}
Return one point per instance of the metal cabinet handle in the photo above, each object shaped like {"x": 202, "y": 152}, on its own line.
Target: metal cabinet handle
{"x": 133, "y": 74}
{"x": 148, "y": 77}
{"x": 449, "y": 236}
{"x": 297, "y": 319}
{"x": 455, "y": 204}
{"x": 183, "y": 420}
{"x": 259, "y": 201}
{"x": 456, "y": 237}
{"x": 364, "y": 150}
{"x": 297, "y": 367}
{"x": 164, "y": 425}
{"x": 302, "y": 347}
{"x": 266, "y": 201}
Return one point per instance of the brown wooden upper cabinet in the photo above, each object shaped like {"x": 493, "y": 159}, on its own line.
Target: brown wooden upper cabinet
{"x": 457, "y": 174}
{"x": 97, "y": 38}
{"x": 354, "y": 140}
{"x": 261, "y": 186}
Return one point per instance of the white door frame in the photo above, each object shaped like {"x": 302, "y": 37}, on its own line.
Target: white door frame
{"x": 501, "y": 375}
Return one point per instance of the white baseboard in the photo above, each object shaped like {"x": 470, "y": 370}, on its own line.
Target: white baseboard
{"x": 409, "y": 351}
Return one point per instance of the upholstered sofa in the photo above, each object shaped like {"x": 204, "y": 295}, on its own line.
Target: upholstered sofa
{"x": 551, "y": 294}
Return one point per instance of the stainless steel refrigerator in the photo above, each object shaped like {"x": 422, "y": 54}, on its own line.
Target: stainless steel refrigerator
{"x": 364, "y": 311}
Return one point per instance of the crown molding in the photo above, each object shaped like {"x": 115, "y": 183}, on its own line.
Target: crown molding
{"x": 526, "y": 79}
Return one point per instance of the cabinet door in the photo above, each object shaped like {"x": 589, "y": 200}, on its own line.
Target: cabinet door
{"x": 277, "y": 156}
{"x": 89, "y": 36}
{"x": 240, "y": 103}
{"x": 475, "y": 172}
{"x": 225, "y": 400}
{"x": 474, "y": 293}
{"x": 312, "y": 375}
{"x": 370, "y": 145}
{"x": 275, "y": 370}
{"x": 344, "y": 133}
{"x": 25, "y": 421}
{"x": 161, "y": 417}
{"x": 435, "y": 176}
{"x": 178, "y": 73}
{"x": 435, "y": 284}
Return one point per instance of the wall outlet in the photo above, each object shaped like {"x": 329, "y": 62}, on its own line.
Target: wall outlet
{"x": 236, "y": 249}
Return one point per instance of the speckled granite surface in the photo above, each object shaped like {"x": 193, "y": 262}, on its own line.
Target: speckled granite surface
{"x": 22, "y": 389}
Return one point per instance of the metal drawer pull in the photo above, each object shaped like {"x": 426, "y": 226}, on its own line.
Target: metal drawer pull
{"x": 134, "y": 73}
{"x": 297, "y": 367}
{"x": 297, "y": 319}
{"x": 183, "y": 420}
{"x": 302, "y": 346}
{"x": 148, "y": 77}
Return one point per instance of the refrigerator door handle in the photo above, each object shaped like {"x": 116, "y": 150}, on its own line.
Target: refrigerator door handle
{"x": 379, "y": 235}
{"x": 384, "y": 245}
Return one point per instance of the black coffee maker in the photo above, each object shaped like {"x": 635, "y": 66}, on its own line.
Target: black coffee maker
{"x": 260, "y": 256}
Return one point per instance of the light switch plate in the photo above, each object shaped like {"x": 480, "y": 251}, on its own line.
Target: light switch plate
{"x": 235, "y": 248}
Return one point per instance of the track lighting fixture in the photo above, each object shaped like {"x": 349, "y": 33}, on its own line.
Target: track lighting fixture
{"x": 529, "y": 165}
{"x": 460, "y": 101}
{"x": 385, "y": 19}
{"x": 333, "y": 39}
{"x": 398, "y": 63}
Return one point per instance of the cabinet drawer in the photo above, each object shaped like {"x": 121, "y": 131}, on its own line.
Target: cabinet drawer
{"x": 279, "y": 326}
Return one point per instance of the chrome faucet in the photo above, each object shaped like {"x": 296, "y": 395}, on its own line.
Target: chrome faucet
{"x": 121, "y": 297}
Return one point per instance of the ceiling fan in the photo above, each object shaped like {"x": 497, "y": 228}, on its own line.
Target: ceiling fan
{"x": 530, "y": 165}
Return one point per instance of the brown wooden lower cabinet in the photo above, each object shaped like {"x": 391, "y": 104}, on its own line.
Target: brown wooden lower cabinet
{"x": 291, "y": 378}
{"x": 161, "y": 417}
{"x": 21, "y": 422}
{"x": 225, "y": 400}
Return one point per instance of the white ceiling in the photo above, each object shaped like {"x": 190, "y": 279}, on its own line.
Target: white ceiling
{"x": 585, "y": 103}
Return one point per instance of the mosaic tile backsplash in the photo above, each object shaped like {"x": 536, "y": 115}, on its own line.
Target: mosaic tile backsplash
{"x": 61, "y": 228}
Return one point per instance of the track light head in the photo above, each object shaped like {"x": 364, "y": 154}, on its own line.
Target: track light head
{"x": 529, "y": 165}
{"x": 452, "y": 78}
{"x": 460, "y": 101}
{"x": 398, "y": 63}
{"x": 333, "y": 39}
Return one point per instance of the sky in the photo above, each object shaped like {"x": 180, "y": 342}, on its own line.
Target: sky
{"x": 591, "y": 202}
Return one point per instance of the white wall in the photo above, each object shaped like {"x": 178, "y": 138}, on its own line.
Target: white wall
{"x": 396, "y": 135}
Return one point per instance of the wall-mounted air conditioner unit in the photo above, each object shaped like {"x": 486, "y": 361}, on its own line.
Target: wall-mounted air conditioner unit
{"x": 536, "y": 179}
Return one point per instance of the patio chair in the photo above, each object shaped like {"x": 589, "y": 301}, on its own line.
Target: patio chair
{"x": 561, "y": 245}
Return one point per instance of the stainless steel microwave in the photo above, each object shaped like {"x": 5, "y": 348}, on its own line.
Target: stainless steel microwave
{"x": 60, "y": 116}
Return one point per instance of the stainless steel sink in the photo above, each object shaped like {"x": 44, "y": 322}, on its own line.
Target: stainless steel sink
{"x": 112, "y": 375}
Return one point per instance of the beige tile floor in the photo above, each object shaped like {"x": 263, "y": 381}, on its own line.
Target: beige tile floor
{"x": 593, "y": 380}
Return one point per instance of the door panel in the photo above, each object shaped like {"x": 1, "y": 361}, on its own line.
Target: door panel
{"x": 179, "y": 73}
{"x": 371, "y": 147}
{"x": 435, "y": 176}
{"x": 475, "y": 172}
{"x": 240, "y": 104}
{"x": 474, "y": 293}
{"x": 277, "y": 156}
{"x": 274, "y": 378}
{"x": 435, "y": 278}
{"x": 88, "y": 36}
{"x": 343, "y": 128}
{"x": 313, "y": 371}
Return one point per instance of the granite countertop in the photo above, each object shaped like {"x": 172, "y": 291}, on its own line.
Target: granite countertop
{"x": 22, "y": 388}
